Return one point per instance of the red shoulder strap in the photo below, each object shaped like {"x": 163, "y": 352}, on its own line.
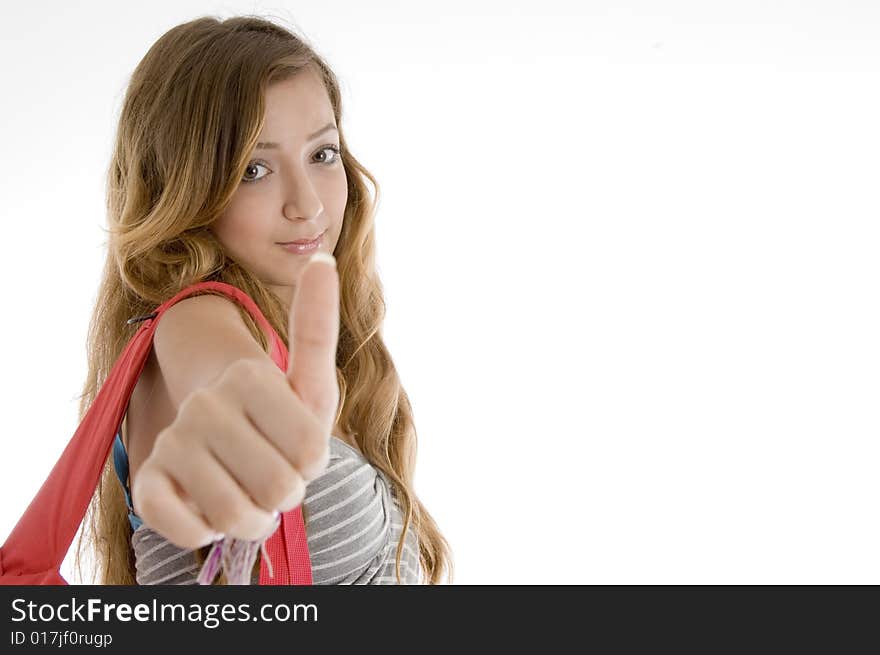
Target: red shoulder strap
{"x": 36, "y": 547}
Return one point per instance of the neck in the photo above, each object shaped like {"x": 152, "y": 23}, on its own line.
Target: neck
{"x": 284, "y": 295}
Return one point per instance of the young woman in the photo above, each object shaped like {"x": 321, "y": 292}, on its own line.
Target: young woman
{"x": 230, "y": 165}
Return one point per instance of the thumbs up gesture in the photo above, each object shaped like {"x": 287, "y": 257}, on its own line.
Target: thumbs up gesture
{"x": 245, "y": 446}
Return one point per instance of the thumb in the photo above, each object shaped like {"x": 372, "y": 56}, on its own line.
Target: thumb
{"x": 313, "y": 336}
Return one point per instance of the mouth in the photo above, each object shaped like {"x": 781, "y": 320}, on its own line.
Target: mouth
{"x": 302, "y": 242}
{"x": 303, "y": 246}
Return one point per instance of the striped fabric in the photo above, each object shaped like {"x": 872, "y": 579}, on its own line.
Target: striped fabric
{"x": 353, "y": 525}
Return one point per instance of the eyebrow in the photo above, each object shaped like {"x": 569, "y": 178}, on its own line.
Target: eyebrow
{"x": 275, "y": 144}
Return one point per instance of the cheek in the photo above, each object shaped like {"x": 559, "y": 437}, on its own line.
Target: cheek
{"x": 238, "y": 232}
{"x": 339, "y": 200}
{"x": 336, "y": 229}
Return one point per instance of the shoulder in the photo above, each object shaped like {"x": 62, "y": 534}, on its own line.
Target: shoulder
{"x": 196, "y": 340}
{"x": 209, "y": 315}
{"x": 203, "y": 305}
{"x": 348, "y": 512}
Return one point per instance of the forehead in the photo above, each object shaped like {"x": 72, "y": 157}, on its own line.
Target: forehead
{"x": 297, "y": 105}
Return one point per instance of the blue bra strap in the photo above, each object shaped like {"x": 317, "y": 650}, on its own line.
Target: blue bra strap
{"x": 120, "y": 463}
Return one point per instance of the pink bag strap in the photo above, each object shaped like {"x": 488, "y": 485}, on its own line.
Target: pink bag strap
{"x": 36, "y": 547}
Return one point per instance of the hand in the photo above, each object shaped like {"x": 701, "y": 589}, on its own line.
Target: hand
{"x": 247, "y": 444}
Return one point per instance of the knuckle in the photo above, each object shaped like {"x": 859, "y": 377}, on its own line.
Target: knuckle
{"x": 244, "y": 374}
{"x": 295, "y": 497}
{"x": 195, "y": 403}
{"x": 314, "y": 454}
{"x": 149, "y": 505}
{"x": 167, "y": 448}
{"x": 164, "y": 442}
{"x": 276, "y": 488}
{"x": 199, "y": 408}
{"x": 232, "y": 517}
{"x": 145, "y": 501}
{"x": 311, "y": 340}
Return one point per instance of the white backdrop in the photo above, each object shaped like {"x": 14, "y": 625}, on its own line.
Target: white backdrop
{"x": 629, "y": 252}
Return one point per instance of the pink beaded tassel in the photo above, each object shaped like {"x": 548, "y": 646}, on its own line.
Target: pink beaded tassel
{"x": 236, "y": 557}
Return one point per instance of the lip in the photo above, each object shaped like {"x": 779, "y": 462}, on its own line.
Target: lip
{"x": 303, "y": 246}
{"x": 302, "y": 242}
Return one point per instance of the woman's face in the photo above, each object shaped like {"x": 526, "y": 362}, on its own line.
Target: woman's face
{"x": 294, "y": 187}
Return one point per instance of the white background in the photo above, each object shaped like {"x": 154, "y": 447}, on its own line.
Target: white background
{"x": 630, "y": 255}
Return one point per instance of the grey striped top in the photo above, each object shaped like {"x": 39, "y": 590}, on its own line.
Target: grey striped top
{"x": 353, "y": 525}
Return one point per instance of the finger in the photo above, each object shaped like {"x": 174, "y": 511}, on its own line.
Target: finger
{"x": 271, "y": 409}
{"x": 314, "y": 332}
{"x": 258, "y": 467}
{"x": 226, "y": 506}
{"x": 161, "y": 508}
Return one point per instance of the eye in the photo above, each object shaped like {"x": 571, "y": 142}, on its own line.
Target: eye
{"x": 250, "y": 167}
{"x": 337, "y": 151}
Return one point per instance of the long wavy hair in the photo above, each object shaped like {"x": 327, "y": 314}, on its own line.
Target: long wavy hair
{"x": 192, "y": 113}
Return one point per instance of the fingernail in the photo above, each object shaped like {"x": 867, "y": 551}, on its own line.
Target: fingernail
{"x": 214, "y": 538}
{"x": 324, "y": 257}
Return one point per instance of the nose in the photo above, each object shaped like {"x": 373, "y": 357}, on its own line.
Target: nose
{"x": 301, "y": 199}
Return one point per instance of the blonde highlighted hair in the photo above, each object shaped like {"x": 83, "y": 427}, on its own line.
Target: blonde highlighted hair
{"x": 192, "y": 113}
